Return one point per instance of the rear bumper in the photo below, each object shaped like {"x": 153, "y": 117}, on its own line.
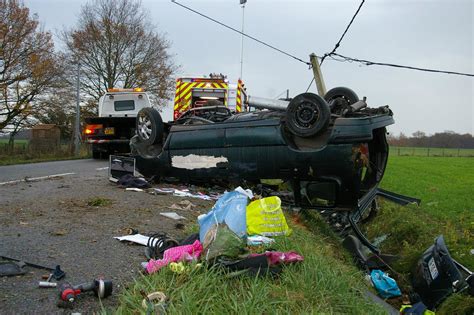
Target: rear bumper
{"x": 98, "y": 141}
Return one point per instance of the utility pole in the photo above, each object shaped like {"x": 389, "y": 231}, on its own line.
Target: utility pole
{"x": 287, "y": 93}
{"x": 242, "y": 2}
{"x": 77, "y": 138}
{"x": 318, "y": 76}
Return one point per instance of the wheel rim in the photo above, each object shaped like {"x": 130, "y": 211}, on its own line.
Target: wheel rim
{"x": 306, "y": 115}
{"x": 144, "y": 127}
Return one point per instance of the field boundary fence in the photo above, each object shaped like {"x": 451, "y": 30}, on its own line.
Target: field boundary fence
{"x": 430, "y": 152}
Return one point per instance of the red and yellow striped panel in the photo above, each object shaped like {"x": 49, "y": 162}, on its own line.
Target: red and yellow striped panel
{"x": 182, "y": 99}
{"x": 238, "y": 103}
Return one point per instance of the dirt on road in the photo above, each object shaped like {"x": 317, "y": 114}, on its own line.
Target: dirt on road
{"x": 71, "y": 222}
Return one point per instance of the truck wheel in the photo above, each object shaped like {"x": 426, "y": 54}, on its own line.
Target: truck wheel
{"x": 307, "y": 115}
{"x": 149, "y": 126}
{"x": 340, "y": 98}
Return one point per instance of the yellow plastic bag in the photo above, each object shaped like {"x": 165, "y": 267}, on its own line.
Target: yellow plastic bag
{"x": 265, "y": 217}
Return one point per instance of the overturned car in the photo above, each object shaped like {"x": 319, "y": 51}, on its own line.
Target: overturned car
{"x": 333, "y": 150}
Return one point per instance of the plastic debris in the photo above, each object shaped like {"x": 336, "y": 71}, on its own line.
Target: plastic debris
{"x": 175, "y": 254}
{"x": 386, "y": 287}
{"x": 229, "y": 209}
{"x": 135, "y": 238}
{"x": 183, "y": 205}
{"x": 265, "y": 217}
{"x": 277, "y": 258}
{"x": 172, "y": 215}
{"x": 221, "y": 241}
{"x": 256, "y": 240}
{"x": 133, "y": 189}
{"x": 185, "y": 193}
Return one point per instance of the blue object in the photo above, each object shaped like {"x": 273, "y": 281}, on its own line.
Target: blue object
{"x": 385, "y": 286}
{"x": 229, "y": 209}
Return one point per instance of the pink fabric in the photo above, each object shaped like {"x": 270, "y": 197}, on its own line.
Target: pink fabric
{"x": 174, "y": 254}
{"x": 276, "y": 258}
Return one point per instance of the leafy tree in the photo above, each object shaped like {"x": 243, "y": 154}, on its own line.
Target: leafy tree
{"x": 29, "y": 68}
{"x": 59, "y": 109}
{"x": 117, "y": 46}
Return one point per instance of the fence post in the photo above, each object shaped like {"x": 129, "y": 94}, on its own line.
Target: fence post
{"x": 413, "y": 152}
{"x": 459, "y": 150}
{"x": 428, "y": 152}
{"x": 443, "y": 152}
{"x": 398, "y": 151}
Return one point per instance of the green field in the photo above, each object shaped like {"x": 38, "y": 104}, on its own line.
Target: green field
{"x": 5, "y": 141}
{"x": 446, "y": 188}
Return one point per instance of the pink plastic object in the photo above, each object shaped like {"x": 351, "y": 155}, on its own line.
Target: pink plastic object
{"x": 174, "y": 254}
{"x": 276, "y": 258}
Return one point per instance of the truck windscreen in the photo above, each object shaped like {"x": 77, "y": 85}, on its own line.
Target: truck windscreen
{"x": 124, "y": 105}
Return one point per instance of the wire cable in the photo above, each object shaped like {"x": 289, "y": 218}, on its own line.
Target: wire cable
{"x": 339, "y": 41}
{"x": 343, "y": 34}
{"x": 374, "y": 63}
{"x": 242, "y": 33}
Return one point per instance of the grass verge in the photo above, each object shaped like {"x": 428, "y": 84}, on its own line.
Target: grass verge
{"x": 12, "y": 160}
{"x": 323, "y": 283}
{"x": 445, "y": 188}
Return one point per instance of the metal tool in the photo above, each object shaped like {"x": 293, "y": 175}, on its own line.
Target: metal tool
{"x": 57, "y": 273}
{"x": 101, "y": 288}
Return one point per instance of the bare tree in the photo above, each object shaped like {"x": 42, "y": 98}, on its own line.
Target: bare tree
{"x": 117, "y": 46}
{"x": 28, "y": 66}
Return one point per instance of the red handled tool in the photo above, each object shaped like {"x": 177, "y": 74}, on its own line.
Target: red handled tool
{"x": 101, "y": 288}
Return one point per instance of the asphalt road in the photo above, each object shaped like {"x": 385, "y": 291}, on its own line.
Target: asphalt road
{"x": 51, "y": 222}
{"x": 80, "y": 168}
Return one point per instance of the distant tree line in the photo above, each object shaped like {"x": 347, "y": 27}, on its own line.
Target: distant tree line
{"x": 446, "y": 139}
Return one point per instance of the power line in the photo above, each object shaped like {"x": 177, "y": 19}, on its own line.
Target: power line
{"x": 339, "y": 41}
{"x": 374, "y": 63}
{"x": 343, "y": 34}
{"x": 242, "y": 33}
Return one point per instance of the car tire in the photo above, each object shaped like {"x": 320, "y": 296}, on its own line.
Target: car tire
{"x": 149, "y": 126}
{"x": 340, "y": 98}
{"x": 307, "y": 115}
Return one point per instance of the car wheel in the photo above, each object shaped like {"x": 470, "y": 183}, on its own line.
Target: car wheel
{"x": 149, "y": 126}
{"x": 307, "y": 115}
{"x": 340, "y": 98}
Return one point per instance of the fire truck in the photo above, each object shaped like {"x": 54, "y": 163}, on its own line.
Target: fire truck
{"x": 194, "y": 92}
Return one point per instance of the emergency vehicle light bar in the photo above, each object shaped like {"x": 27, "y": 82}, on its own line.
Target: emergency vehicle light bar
{"x": 125, "y": 90}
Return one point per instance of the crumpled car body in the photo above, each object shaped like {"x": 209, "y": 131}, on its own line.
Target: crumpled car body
{"x": 335, "y": 167}
{"x": 332, "y": 150}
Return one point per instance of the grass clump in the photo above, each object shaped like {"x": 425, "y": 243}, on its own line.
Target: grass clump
{"x": 322, "y": 283}
{"x": 99, "y": 202}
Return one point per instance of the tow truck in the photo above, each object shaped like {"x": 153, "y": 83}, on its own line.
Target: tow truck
{"x": 112, "y": 130}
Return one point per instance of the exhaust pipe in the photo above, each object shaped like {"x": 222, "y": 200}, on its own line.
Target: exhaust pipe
{"x": 266, "y": 103}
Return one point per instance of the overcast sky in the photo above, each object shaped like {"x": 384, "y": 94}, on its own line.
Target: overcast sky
{"x": 428, "y": 34}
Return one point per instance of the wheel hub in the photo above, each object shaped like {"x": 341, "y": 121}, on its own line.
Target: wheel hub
{"x": 144, "y": 127}
{"x": 306, "y": 114}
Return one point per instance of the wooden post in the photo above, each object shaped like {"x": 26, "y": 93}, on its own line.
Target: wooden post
{"x": 318, "y": 76}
